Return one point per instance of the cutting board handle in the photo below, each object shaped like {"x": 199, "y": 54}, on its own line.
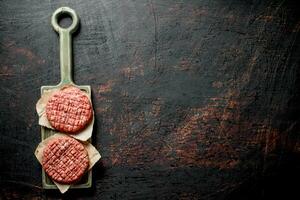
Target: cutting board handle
{"x": 65, "y": 42}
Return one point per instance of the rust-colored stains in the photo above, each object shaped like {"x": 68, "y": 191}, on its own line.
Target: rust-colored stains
{"x": 185, "y": 64}
{"x": 218, "y": 164}
{"x": 191, "y": 124}
{"x": 135, "y": 67}
{"x": 197, "y": 12}
{"x": 131, "y": 72}
{"x": 253, "y": 60}
{"x": 27, "y": 53}
{"x": 134, "y": 133}
{"x": 266, "y": 137}
{"x": 175, "y": 8}
{"x": 271, "y": 138}
{"x": 202, "y": 139}
{"x": 6, "y": 71}
{"x": 19, "y": 60}
{"x": 221, "y": 150}
{"x": 187, "y": 157}
{"x": 231, "y": 18}
{"x": 245, "y": 77}
{"x": 103, "y": 109}
{"x": 266, "y": 18}
{"x": 114, "y": 161}
{"x": 217, "y": 84}
{"x": 156, "y": 107}
{"x": 106, "y": 87}
{"x": 213, "y": 136}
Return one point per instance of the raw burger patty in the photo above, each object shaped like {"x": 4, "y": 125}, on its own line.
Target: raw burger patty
{"x": 69, "y": 110}
{"x": 65, "y": 160}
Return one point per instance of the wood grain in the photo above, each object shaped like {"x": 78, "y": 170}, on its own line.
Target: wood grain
{"x": 193, "y": 99}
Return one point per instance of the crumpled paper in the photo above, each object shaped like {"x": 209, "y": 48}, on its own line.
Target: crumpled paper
{"x": 93, "y": 154}
{"x": 83, "y": 135}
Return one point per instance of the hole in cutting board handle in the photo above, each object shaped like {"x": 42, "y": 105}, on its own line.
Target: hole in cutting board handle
{"x": 65, "y": 20}
{"x": 61, "y": 13}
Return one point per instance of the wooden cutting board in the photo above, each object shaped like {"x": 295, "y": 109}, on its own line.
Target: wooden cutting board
{"x": 65, "y": 43}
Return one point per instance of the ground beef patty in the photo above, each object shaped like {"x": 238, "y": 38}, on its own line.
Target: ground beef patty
{"x": 65, "y": 160}
{"x": 69, "y": 110}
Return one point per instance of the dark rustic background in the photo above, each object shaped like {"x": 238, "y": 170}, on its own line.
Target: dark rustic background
{"x": 193, "y": 99}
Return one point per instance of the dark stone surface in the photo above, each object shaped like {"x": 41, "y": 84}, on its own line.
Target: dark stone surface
{"x": 193, "y": 99}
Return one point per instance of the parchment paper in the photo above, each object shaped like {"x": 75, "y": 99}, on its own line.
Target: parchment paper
{"x": 83, "y": 135}
{"x": 93, "y": 154}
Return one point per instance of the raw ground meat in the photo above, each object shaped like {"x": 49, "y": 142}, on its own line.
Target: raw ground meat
{"x": 69, "y": 110}
{"x": 65, "y": 160}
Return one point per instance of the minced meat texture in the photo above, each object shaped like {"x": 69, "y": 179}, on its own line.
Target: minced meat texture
{"x": 69, "y": 110}
{"x": 65, "y": 160}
